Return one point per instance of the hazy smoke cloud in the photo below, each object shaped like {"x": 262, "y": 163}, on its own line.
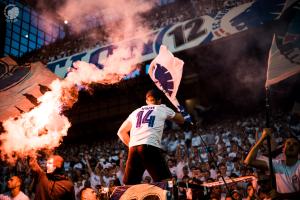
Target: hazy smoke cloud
{"x": 44, "y": 126}
{"x": 125, "y": 12}
{"x": 235, "y": 68}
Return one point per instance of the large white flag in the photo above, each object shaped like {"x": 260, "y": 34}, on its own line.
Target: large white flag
{"x": 166, "y": 72}
{"x": 284, "y": 55}
{"x": 280, "y": 67}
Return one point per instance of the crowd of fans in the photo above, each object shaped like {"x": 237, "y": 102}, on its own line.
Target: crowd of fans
{"x": 206, "y": 154}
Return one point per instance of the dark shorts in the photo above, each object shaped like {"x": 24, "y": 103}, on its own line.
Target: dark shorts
{"x": 147, "y": 157}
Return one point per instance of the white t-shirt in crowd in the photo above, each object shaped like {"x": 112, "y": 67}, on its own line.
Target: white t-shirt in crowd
{"x": 230, "y": 167}
{"x": 187, "y": 135}
{"x": 278, "y": 140}
{"x": 204, "y": 157}
{"x": 217, "y": 138}
{"x": 148, "y": 124}
{"x": 225, "y": 139}
{"x": 20, "y": 196}
{"x": 77, "y": 188}
{"x": 236, "y": 171}
{"x": 251, "y": 139}
{"x": 173, "y": 170}
{"x": 78, "y": 166}
{"x": 67, "y": 165}
{"x": 179, "y": 172}
{"x": 172, "y": 146}
{"x": 213, "y": 174}
{"x": 237, "y": 139}
{"x": 287, "y": 177}
{"x": 94, "y": 180}
{"x": 120, "y": 176}
{"x": 107, "y": 180}
{"x": 232, "y": 154}
{"x": 114, "y": 157}
{"x": 210, "y": 139}
{"x": 107, "y": 165}
{"x": 196, "y": 141}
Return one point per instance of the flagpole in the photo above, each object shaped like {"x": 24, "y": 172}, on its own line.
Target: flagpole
{"x": 268, "y": 112}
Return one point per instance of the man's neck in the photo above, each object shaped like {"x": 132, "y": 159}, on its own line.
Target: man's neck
{"x": 15, "y": 192}
{"x": 290, "y": 161}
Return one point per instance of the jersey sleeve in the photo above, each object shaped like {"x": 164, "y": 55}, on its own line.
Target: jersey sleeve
{"x": 169, "y": 112}
{"x": 132, "y": 116}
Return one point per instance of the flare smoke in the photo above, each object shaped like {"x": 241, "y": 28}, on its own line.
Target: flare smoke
{"x": 44, "y": 126}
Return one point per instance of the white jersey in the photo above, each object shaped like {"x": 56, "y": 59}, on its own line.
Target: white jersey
{"x": 20, "y": 196}
{"x": 94, "y": 180}
{"x": 287, "y": 177}
{"x": 148, "y": 124}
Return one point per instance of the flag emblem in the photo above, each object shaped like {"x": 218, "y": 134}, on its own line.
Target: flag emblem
{"x": 164, "y": 77}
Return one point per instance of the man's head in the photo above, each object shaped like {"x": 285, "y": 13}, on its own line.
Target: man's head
{"x": 236, "y": 195}
{"x": 54, "y": 162}
{"x": 170, "y": 163}
{"x": 222, "y": 168}
{"x": 153, "y": 97}
{"x": 206, "y": 174}
{"x": 14, "y": 182}
{"x": 88, "y": 194}
{"x": 185, "y": 170}
{"x": 291, "y": 147}
{"x": 250, "y": 190}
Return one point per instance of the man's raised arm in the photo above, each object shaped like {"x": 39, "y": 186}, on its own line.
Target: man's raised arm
{"x": 251, "y": 157}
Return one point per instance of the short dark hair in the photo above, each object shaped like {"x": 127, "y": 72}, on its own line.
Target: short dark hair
{"x": 221, "y": 164}
{"x": 292, "y": 136}
{"x": 85, "y": 188}
{"x": 155, "y": 93}
{"x": 18, "y": 178}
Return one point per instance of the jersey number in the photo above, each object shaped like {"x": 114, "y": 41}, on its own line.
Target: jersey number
{"x": 145, "y": 118}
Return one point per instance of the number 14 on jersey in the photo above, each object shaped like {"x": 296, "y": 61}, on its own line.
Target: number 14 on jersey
{"x": 143, "y": 117}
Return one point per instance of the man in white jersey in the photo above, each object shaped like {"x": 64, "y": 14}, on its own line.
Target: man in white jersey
{"x": 142, "y": 132}
{"x": 287, "y": 170}
{"x": 14, "y": 185}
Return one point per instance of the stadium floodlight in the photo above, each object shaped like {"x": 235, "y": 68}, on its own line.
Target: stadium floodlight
{"x": 66, "y": 21}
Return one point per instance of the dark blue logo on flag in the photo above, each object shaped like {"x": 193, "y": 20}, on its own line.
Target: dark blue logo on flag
{"x": 165, "y": 78}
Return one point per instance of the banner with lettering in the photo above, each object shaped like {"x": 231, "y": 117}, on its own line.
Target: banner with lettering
{"x": 186, "y": 34}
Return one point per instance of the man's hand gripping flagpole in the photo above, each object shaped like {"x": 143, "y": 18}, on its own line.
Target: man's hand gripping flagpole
{"x": 166, "y": 71}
